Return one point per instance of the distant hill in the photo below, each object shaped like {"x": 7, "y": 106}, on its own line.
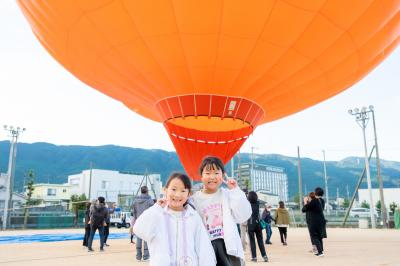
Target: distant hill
{"x": 53, "y": 164}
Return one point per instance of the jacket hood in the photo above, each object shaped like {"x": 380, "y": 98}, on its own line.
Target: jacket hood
{"x": 189, "y": 211}
{"x": 143, "y": 198}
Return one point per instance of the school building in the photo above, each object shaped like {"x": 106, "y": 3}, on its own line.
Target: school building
{"x": 115, "y": 186}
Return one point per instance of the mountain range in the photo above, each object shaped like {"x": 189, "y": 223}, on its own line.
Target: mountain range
{"x": 52, "y": 164}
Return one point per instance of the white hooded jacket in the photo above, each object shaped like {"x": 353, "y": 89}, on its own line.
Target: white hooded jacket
{"x": 236, "y": 209}
{"x": 173, "y": 239}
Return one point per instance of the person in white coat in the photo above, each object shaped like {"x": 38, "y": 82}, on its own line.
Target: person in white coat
{"x": 173, "y": 230}
{"x": 221, "y": 210}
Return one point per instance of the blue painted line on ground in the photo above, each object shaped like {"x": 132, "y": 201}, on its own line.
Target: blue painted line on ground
{"x": 52, "y": 238}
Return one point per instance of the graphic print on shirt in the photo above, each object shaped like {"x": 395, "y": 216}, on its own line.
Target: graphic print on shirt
{"x": 212, "y": 219}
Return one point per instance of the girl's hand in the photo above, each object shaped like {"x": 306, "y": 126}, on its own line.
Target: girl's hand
{"x": 162, "y": 202}
{"x": 231, "y": 183}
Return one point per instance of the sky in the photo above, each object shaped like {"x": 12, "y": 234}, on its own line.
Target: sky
{"x": 37, "y": 93}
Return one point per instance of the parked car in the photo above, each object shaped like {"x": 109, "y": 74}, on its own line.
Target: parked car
{"x": 120, "y": 219}
{"x": 361, "y": 212}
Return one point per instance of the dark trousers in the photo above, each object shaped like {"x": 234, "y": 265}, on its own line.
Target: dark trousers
{"x": 106, "y": 232}
{"x": 260, "y": 242}
{"x": 316, "y": 239}
{"x": 93, "y": 229}
{"x": 311, "y": 237}
{"x": 283, "y": 234}
{"x": 223, "y": 259}
{"x": 86, "y": 236}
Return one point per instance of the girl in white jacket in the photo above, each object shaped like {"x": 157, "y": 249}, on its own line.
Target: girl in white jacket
{"x": 173, "y": 230}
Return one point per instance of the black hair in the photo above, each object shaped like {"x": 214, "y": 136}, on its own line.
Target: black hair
{"x": 211, "y": 162}
{"x": 252, "y": 197}
{"x": 101, "y": 199}
{"x": 187, "y": 183}
{"x": 281, "y": 204}
{"x": 319, "y": 192}
{"x": 144, "y": 190}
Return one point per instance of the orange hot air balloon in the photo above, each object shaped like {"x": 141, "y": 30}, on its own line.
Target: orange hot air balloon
{"x": 212, "y": 71}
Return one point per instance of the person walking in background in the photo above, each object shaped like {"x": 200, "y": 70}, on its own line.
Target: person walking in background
{"x": 98, "y": 214}
{"x": 87, "y": 225}
{"x": 267, "y": 218}
{"x": 315, "y": 208}
{"x": 311, "y": 196}
{"x": 254, "y": 227}
{"x": 174, "y": 230}
{"x": 140, "y": 204}
{"x": 282, "y": 221}
{"x": 108, "y": 219}
{"x": 221, "y": 210}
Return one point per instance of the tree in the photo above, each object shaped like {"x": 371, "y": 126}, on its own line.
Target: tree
{"x": 346, "y": 203}
{"x": 364, "y": 204}
{"x": 392, "y": 207}
{"x": 296, "y": 198}
{"x": 378, "y": 206}
{"x": 78, "y": 203}
{"x": 29, "y": 192}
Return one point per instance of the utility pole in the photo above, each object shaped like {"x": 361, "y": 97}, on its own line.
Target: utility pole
{"x": 378, "y": 170}
{"x": 252, "y": 169}
{"x": 326, "y": 186}
{"x": 90, "y": 181}
{"x": 14, "y": 133}
{"x": 300, "y": 181}
{"x": 347, "y": 191}
{"x": 362, "y": 117}
{"x": 337, "y": 193}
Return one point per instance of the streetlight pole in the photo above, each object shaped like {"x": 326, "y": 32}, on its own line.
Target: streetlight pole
{"x": 252, "y": 168}
{"x": 299, "y": 176}
{"x": 326, "y": 186}
{"x": 378, "y": 170}
{"x": 362, "y": 117}
{"x": 10, "y": 173}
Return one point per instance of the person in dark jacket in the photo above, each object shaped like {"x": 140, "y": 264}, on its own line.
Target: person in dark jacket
{"x": 267, "y": 217}
{"x": 108, "y": 220}
{"x": 311, "y": 196}
{"x": 254, "y": 227}
{"x": 87, "y": 225}
{"x": 140, "y": 204}
{"x": 317, "y": 222}
{"x": 98, "y": 214}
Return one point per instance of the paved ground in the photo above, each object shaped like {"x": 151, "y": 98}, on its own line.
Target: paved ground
{"x": 343, "y": 247}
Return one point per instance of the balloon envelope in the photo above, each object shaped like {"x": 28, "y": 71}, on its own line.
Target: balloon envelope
{"x": 212, "y": 71}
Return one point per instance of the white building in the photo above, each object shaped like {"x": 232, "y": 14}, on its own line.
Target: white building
{"x": 390, "y": 195}
{"x": 267, "y": 178}
{"x": 269, "y": 198}
{"x": 115, "y": 186}
{"x": 17, "y": 198}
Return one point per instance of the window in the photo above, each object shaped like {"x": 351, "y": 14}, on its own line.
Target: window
{"x": 64, "y": 190}
{"x": 104, "y": 184}
{"x": 51, "y": 192}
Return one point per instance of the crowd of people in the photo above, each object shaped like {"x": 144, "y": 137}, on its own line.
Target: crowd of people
{"x": 208, "y": 227}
